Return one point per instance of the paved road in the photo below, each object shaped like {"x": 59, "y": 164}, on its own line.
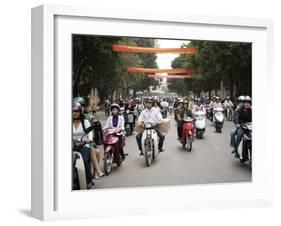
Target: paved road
{"x": 209, "y": 162}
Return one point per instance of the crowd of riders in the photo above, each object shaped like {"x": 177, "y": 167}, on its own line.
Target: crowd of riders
{"x": 150, "y": 109}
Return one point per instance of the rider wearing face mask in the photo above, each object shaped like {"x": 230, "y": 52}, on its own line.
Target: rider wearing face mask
{"x": 154, "y": 116}
{"x": 243, "y": 115}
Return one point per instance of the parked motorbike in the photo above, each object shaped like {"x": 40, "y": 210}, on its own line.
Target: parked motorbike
{"x": 150, "y": 143}
{"x": 218, "y": 119}
{"x": 112, "y": 147}
{"x": 200, "y": 123}
{"x": 129, "y": 122}
{"x": 187, "y": 136}
{"x": 78, "y": 169}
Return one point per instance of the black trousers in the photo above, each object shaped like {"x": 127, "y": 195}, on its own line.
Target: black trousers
{"x": 160, "y": 135}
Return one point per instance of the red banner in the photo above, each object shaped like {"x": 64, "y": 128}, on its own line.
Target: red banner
{"x": 169, "y": 76}
{"x": 156, "y": 70}
{"x": 135, "y": 49}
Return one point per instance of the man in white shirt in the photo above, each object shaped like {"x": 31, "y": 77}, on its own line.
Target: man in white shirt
{"x": 228, "y": 103}
{"x": 164, "y": 104}
{"x": 150, "y": 114}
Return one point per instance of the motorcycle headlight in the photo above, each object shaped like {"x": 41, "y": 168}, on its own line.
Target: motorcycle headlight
{"x": 148, "y": 125}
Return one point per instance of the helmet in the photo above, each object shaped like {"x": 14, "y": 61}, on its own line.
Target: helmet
{"x": 247, "y": 99}
{"x": 80, "y": 100}
{"x": 115, "y": 106}
{"x": 228, "y": 97}
{"x": 217, "y": 97}
{"x": 181, "y": 101}
{"x": 241, "y": 98}
{"x": 76, "y": 106}
{"x": 185, "y": 102}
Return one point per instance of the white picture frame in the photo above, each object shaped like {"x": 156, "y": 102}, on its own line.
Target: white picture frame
{"x": 52, "y": 199}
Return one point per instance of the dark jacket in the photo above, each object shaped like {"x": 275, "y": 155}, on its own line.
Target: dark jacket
{"x": 185, "y": 112}
{"x": 243, "y": 115}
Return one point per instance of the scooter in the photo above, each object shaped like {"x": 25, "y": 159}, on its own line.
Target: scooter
{"x": 112, "y": 146}
{"x": 200, "y": 123}
{"x": 245, "y": 149}
{"x": 122, "y": 110}
{"x": 164, "y": 112}
{"x": 78, "y": 169}
{"x": 187, "y": 136}
{"x": 170, "y": 109}
{"x": 218, "y": 119}
{"x": 129, "y": 122}
{"x": 208, "y": 112}
{"x": 149, "y": 143}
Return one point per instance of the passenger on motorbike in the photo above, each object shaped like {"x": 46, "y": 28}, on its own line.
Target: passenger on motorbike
{"x": 181, "y": 114}
{"x": 116, "y": 121}
{"x": 79, "y": 127}
{"x": 152, "y": 115}
{"x": 242, "y": 115}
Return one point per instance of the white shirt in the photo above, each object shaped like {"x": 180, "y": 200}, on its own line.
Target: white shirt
{"x": 216, "y": 105}
{"x": 164, "y": 104}
{"x": 153, "y": 115}
{"x": 109, "y": 122}
{"x": 228, "y": 104}
{"x": 78, "y": 132}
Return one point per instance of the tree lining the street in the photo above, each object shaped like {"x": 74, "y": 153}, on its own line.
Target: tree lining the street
{"x": 95, "y": 65}
{"x": 227, "y": 63}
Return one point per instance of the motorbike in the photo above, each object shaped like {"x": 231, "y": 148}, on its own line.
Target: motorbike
{"x": 200, "y": 123}
{"x": 218, "y": 119}
{"x": 208, "y": 112}
{"x": 246, "y": 146}
{"x": 150, "y": 143}
{"x": 229, "y": 113}
{"x": 170, "y": 109}
{"x": 78, "y": 169}
{"x": 122, "y": 110}
{"x": 129, "y": 122}
{"x": 187, "y": 136}
{"x": 164, "y": 112}
{"x": 112, "y": 146}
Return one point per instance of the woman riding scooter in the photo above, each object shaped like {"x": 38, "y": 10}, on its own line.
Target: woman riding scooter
{"x": 116, "y": 121}
{"x": 79, "y": 126}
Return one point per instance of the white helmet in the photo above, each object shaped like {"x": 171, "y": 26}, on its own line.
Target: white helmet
{"x": 241, "y": 98}
{"x": 247, "y": 99}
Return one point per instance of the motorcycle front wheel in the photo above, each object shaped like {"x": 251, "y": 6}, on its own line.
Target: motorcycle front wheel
{"x": 148, "y": 155}
{"x": 188, "y": 143}
{"x": 107, "y": 163}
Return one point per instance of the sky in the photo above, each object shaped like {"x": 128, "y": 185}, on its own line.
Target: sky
{"x": 164, "y": 60}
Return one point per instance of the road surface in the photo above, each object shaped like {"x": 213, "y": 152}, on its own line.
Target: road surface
{"x": 210, "y": 161}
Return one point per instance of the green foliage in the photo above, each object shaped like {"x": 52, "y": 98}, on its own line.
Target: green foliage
{"x": 229, "y": 62}
{"x": 95, "y": 65}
